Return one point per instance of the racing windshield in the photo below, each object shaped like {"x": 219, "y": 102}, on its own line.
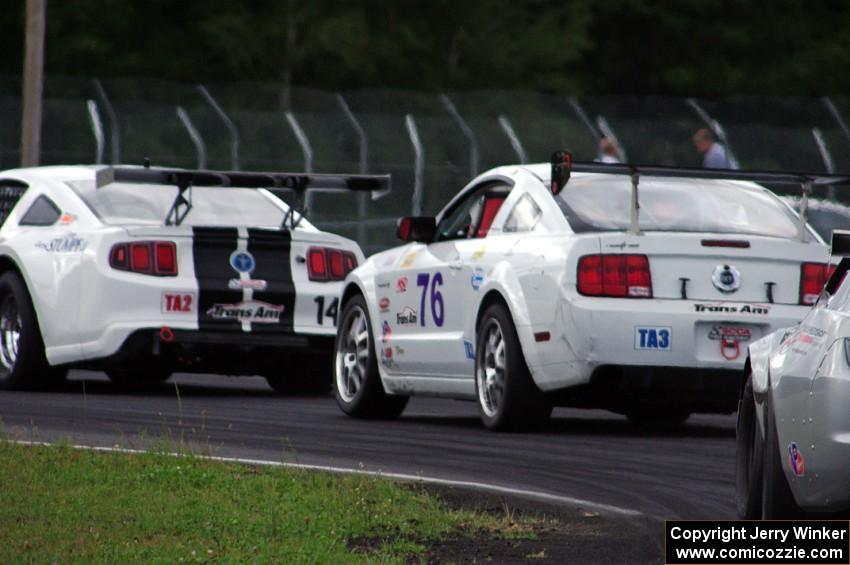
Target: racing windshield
{"x": 148, "y": 204}
{"x": 602, "y": 203}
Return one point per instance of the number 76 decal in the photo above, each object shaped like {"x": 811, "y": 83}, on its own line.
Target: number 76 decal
{"x": 437, "y": 306}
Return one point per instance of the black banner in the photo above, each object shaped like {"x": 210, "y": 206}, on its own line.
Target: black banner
{"x": 741, "y": 542}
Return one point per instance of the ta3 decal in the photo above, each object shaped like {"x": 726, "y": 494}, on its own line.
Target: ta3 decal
{"x": 653, "y": 338}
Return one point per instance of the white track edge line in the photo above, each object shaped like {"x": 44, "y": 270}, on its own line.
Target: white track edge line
{"x": 474, "y": 485}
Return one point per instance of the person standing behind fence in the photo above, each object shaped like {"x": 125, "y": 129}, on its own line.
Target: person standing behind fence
{"x": 714, "y": 153}
{"x": 609, "y": 152}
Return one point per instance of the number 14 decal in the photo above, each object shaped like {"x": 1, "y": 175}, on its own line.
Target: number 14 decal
{"x": 437, "y": 307}
{"x": 321, "y": 313}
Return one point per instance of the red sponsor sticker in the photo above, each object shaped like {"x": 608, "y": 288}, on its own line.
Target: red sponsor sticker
{"x": 384, "y": 304}
{"x": 401, "y": 285}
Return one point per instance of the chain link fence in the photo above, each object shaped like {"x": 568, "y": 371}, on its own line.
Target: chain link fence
{"x": 431, "y": 143}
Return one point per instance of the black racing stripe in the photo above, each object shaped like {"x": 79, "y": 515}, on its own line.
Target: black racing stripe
{"x": 272, "y": 251}
{"x": 211, "y": 249}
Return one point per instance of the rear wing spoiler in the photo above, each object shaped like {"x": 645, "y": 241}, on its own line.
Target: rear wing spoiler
{"x": 185, "y": 179}
{"x": 562, "y": 165}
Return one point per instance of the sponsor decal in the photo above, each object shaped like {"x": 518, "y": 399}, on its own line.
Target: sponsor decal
{"x": 409, "y": 259}
{"x": 653, "y": 338}
{"x": 67, "y": 219}
{"x": 178, "y": 302}
{"x": 800, "y": 339}
{"x": 401, "y": 285}
{"x": 68, "y": 243}
{"x": 730, "y": 338}
{"x": 384, "y": 284}
{"x": 795, "y": 460}
{"x": 242, "y": 261}
{"x": 386, "y": 332}
{"x": 407, "y": 317}
{"x": 399, "y": 350}
{"x": 477, "y": 278}
{"x": 725, "y": 308}
{"x": 384, "y": 304}
{"x": 254, "y": 284}
{"x": 469, "y": 349}
{"x": 479, "y": 253}
{"x": 623, "y": 245}
{"x": 386, "y": 350}
{"x": 726, "y": 278}
{"x": 254, "y": 311}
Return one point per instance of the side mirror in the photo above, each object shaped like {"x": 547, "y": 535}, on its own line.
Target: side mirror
{"x": 417, "y": 228}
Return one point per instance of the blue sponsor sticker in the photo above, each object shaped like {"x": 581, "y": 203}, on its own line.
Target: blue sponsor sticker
{"x": 469, "y": 349}
{"x": 477, "y": 278}
{"x": 242, "y": 262}
{"x": 653, "y": 338}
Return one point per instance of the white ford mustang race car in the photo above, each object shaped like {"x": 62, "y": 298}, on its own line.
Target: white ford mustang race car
{"x": 145, "y": 271}
{"x": 632, "y": 289}
{"x": 793, "y": 424}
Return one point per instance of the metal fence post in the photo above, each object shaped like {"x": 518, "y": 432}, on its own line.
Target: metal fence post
{"x": 419, "y": 164}
{"x": 197, "y": 140}
{"x": 114, "y": 127}
{"x": 363, "y": 167}
{"x": 826, "y": 157}
{"x": 474, "y": 153}
{"x": 836, "y": 115}
{"x": 97, "y": 130}
{"x": 608, "y": 132}
{"x": 513, "y": 138}
{"x": 228, "y": 123}
{"x": 583, "y": 118}
{"x": 306, "y": 149}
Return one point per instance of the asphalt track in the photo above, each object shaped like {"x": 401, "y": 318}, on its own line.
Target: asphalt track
{"x": 588, "y": 455}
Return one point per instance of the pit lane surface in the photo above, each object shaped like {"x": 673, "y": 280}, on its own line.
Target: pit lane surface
{"x": 589, "y": 455}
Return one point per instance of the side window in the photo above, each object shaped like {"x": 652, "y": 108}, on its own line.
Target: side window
{"x": 524, "y": 216}
{"x": 42, "y": 212}
{"x": 472, "y": 216}
{"x": 10, "y": 194}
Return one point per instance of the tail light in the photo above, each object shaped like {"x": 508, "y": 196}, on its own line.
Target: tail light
{"x": 325, "y": 264}
{"x": 622, "y": 276}
{"x": 813, "y": 277}
{"x": 157, "y": 258}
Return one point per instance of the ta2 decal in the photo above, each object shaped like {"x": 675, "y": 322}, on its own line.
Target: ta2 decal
{"x": 254, "y": 311}
{"x": 438, "y": 308}
{"x": 653, "y": 338}
{"x": 178, "y": 302}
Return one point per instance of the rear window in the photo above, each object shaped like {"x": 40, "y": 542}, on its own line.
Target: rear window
{"x": 118, "y": 203}
{"x": 602, "y": 203}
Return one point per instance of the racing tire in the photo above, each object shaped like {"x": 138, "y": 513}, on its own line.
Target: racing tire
{"x": 311, "y": 374}
{"x": 749, "y": 457}
{"x": 356, "y": 381}
{"x": 777, "y": 501}
{"x": 138, "y": 378}
{"x": 658, "y": 417}
{"x": 507, "y": 397}
{"x": 23, "y": 364}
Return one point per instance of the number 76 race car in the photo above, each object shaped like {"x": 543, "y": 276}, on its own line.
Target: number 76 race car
{"x": 635, "y": 289}
{"x": 793, "y": 434}
{"x": 145, "y": 271}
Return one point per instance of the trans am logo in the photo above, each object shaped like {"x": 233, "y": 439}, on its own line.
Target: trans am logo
{"x": 254, "y": 311}
{"x": 407, "y": 317}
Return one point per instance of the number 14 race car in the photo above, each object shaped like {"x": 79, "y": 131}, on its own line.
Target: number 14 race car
{"x": 635, "y": 289}
{"x": 145, "y": 271}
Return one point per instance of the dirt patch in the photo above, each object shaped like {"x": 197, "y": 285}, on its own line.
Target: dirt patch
{"x": 544, "y": 534}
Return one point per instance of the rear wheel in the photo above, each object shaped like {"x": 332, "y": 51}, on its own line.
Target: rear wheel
{"x": 777, "y": 501}
{"x": 22, "y": 360}
{"x": 507, "y": 397}
{"x": 749, "y": 457}
{"x": 357, "y": 383}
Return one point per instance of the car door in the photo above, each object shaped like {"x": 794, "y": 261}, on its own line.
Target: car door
{"x": 431, "y": 289}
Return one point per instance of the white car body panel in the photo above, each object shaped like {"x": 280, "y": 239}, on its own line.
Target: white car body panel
{"x": 535, "y": 274}
{"x": 86, "y": 309}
